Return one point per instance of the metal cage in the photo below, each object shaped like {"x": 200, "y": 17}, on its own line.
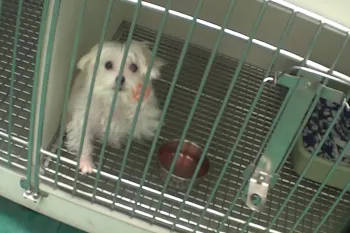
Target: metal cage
{"x": 242, "y": 81}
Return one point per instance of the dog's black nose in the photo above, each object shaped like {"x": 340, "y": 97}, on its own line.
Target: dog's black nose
{"x": 122, "y": 81}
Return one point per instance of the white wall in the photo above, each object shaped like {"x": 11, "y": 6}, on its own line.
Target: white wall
{"x": 336, "y": 10}
{"x": 63, "y": 47}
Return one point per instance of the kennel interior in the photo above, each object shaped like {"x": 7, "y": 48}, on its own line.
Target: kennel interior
{"x": 49, "y": 33}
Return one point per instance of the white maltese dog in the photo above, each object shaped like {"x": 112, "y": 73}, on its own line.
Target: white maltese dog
{"x": 131, "y": 82}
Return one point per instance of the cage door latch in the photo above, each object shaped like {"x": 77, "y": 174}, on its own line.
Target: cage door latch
{"x": 258, "y": 187}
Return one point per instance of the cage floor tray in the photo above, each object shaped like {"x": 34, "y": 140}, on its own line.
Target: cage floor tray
{"x": 23, "y": 73}
{"x": 240, "y": 101}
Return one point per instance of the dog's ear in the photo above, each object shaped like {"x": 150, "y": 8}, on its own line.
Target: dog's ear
{"x": 83, "y": 61}
{"x": 87, "y": 58}
{"x": 157, "y": 65}
{"x": 158, "y": 62}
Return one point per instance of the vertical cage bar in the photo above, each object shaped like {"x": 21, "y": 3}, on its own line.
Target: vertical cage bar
{"x": 44, "y": 86}
{"x": 340, "y": 53}
{"x": 286, "y": 31}
{"x": 276, "y": 161}
{"x": 223, "y": 107}
{"x": 330, "y": 173}
{"x": 335, "y": 203}
{"x": 143, "y": 90}
{"x": 246, "y": 225}
{"x": 313, "y": 43}
{"x": 34, "y": 98}
{"x": 195, "y": 104}
{"x": 0, "y": 9}
{"x": 301, "y": 176}
{"x": 114, "y": 101}
{"x": 91, "y": 89}
{"x": 157, "y": 41}
{"x": 12, "y": 82}
{"x": 171, "y": 90}
{"x": 325, "y": 82}
{"x": 68, "y": 88}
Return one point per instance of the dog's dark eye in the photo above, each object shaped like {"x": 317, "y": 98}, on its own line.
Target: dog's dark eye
{"x": 133, "y": 67}
{"x": 109, "y": 65}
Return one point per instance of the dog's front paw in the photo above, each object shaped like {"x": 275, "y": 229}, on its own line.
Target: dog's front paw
{"x": 86, "y": 164}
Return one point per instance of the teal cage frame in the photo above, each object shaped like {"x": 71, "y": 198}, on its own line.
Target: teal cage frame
{"x": 240, "y": 91}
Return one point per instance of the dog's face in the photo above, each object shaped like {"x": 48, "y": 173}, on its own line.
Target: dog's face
{"x": 135, "y": 69}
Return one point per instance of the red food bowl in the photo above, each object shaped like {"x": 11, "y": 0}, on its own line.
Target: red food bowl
{"x": 185, "y": 165}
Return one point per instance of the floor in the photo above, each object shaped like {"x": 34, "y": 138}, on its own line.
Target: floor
{"x": 18, "y": 219}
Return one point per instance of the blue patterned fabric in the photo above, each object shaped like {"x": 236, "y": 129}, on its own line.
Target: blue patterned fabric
{"x": 320, "y": 120}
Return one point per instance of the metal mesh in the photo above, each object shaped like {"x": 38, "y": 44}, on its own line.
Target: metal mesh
{"x": 24, "y": 71}
{"x": 244, "y": 92}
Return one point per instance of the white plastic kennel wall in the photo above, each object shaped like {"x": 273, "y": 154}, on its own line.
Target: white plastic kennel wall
{"x": 295, "y": 48}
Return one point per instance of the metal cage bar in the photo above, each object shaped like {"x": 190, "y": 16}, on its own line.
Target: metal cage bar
{"x": 34, "y": 98}
{"x": 330, "y": 173}
{"x": 313, "y": 42}
{"x": 44, "y": 87}
{"x": 329, "y": 129}
{"x": 0, "y": 7}
{"x": 223, "y": 106}
{"x": 172, "y": 87}
{"x": 335, "y": 203}
{"x": 276, "y": 120}
{"x": 150, "y": 156}
{"x": 340, "y": 52}
{"x": 89, "y": 100}
{"x": 12, "y": 82}
{"x": 127, "y": 47}
{"x": 68, "y": 88}
{"x": 195, "y": 104}
{"x": 286, "y": 31}
{"x": 278, "y": 161}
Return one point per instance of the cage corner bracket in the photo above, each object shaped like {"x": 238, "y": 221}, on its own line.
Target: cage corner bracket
{"x": 29, "y": 194}
{"x": 34, "y": 197}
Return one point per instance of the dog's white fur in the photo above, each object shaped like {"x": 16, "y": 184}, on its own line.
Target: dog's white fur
{"x": 104, "y": 87}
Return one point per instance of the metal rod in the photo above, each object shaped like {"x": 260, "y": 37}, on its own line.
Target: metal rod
{"x": 340, "y": 53}
{"x": 312, "y": 107}
{"x": 35, "y": 91}
{"x": 301, "y": 176}
{"x": 114, "y": 101}
{"x": 330, "y": 173}
{"x": 335, "y": 203}
{"x": 171, "y": 90}
{"x": 44, "y": 86}
{"x": 150, "y": 156}
{"x": 0, "y": 9}
{"x": 223, "y": 107}
{"x": 12, "y": 82}
{"x": 68, "y": 87}
{"x": 313, "y": 43}
{"x": 91, "y": 89}
{"x": 195, "y": 104}
{"x": 286, "y": 31}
